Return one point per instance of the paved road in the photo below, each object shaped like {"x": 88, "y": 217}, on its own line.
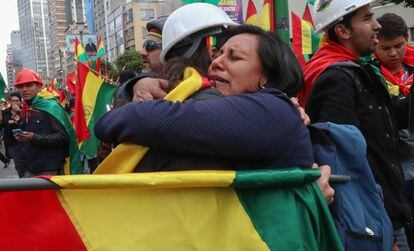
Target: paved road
{"x": 9, "y": 172}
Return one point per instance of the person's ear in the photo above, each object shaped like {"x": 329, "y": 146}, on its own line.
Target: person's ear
{"x": 262, "y": 82}
{"x": 213, "y": 53}
{"x": 343, "y": 32}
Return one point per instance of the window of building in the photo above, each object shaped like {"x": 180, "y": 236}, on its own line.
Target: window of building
{"x": 147, "y": 14}
{"x": 128, "y": 16}
{"x": 118, "y": 22}
{"x": 129, "y": 34}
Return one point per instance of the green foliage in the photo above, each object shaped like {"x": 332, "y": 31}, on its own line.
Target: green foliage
{"x": 105, "y": 65}
{"x": 130, "y": 60}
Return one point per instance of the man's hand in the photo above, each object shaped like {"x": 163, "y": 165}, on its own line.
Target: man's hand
{"x": 149, "y": 89}
{"x": 303, "y": 115}
{"x": 24, "y": 136}
{"x": 323, "y": 183}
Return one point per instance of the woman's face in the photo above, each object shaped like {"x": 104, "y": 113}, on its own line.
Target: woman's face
{"x": 236, "y": 68}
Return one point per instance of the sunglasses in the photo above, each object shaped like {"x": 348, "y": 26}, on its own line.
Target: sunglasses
{"x": 151, "y": 46}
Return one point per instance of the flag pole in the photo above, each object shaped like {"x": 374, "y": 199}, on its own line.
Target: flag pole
{"x": 281, "y": 10}
{"x": 100, "y": 74}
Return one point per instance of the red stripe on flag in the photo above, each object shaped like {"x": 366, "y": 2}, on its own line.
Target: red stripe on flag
{"x": 70, "y": 82}
{"x": 251, "y": 10}
{"x": 296, "y": 34}
{"x": 307, "y": 15}
{"x": 36, "y": 220}
{"x": 79, "y": 121}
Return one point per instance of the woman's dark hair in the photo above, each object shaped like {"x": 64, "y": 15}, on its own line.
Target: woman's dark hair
{"x": 346, "y": 21}
{"x": 126, "y": 75}
{"x": 393, "y": 26}
{"x": 174, "y": 68}
{"x": 279, "y": 64}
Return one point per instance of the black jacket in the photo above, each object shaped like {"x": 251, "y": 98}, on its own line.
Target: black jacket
{"x": 347, "y": 93}
{"x": 49, "y": 147}
{"x": 9, "y": 139}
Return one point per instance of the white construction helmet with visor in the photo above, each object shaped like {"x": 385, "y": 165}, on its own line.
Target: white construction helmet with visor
{"x": 190, "y": 19}
{"x": 329, "y": 12}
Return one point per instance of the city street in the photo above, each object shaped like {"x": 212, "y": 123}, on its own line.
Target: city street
{"x": 9, "y": 172}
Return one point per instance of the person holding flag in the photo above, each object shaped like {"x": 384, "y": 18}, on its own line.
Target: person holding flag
{"x": 344, "y": 85}
{"x": 45, "y": 134}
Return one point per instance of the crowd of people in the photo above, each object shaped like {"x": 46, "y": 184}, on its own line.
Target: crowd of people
{"x": 242, "y": 95}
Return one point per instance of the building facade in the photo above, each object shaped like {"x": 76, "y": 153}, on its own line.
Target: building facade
{"x": 136, "y": 15}
{"x": 17, "y": 53}
{"x": 115, "y": 34}
{"x": 58, "y": 24}
{"x": 35, "y": 33}
{"x": 9, "y": 65}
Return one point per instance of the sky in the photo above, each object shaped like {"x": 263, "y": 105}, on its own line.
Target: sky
{"x": 9, "y": 21}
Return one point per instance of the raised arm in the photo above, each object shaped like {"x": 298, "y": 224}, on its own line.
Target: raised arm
{"x": 261, "y": 125}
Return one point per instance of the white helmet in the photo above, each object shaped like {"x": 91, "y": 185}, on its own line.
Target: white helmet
{"x": 190, "y": 19}
{"x": 328, "y": 12}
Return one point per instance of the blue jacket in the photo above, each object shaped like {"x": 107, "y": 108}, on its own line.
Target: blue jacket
{"x": 358, "y": 210}
{"x": 255, "y": 126}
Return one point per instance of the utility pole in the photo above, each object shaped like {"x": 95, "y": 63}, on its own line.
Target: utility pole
{"x": 281, "y": 10}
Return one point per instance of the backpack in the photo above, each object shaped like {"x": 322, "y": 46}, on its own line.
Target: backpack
{"x": 358, "y": 210}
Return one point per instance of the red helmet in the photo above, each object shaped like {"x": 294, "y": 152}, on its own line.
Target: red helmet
{"x": 27, "y": 76}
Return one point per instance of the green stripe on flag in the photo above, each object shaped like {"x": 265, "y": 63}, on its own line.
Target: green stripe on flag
{"x": 52, "y": 107}
{"x": 288, "y": 209}
{"x": 275, "y": 177}
{"x": 315, "y": 41}
{"x": 2, "y": 86}
{"x": 104, "y": 98}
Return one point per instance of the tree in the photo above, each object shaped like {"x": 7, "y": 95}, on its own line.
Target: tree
{"x": 129, "y": 60}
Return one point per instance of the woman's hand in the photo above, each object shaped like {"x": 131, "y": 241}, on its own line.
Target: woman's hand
{"x": 323, "y": 183}
{"x": 149, "y": 89}
{"x": 305, "y": 118}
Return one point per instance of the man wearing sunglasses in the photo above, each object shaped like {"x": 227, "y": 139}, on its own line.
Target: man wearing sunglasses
{"x": 152, "y": 46}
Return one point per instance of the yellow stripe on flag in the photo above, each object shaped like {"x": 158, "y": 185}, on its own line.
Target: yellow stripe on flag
{"x": 266, "y": 17}
{"x": 90, "y": 92}
{"x": 157, "y": 179}
{"x": 161, "y": 219}
{"x": 306, "y": 38}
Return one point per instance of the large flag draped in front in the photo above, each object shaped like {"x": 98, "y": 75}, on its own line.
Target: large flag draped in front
{"x": 191, "y": 210}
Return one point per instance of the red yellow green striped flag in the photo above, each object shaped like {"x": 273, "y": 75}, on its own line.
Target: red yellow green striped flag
{"x": 190, "y": 210}
{"x": 101, "y": 49}
{"x": 92, "y": 97}
{"x": 99, "y": 55}
{"x": 251, "y": 14}
{"x": 304, "y": 40}
{"x": 80, "y": 53}
{"x": 267, "y": 16}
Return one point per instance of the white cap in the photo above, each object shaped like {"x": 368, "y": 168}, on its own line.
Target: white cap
{"x": 328, "y": 12}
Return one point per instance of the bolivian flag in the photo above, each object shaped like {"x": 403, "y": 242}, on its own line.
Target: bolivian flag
{"x": 92, "y": 97}
{"x": 190, "y": 210}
